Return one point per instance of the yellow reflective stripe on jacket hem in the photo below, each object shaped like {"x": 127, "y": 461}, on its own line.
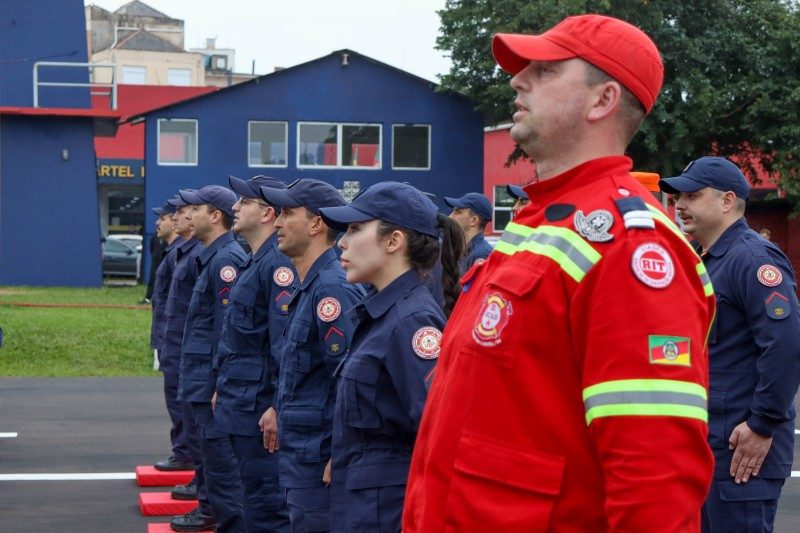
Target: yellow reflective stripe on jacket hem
{"x": 574, "y": 255}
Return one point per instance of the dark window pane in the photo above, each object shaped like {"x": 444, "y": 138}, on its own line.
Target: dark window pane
{"x": 410, "y": 147}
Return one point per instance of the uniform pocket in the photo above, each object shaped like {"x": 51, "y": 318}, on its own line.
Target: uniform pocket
{"x": 196, "y": 357}
{"x": 243, "y": 303}
{"x": 717, "y": 434}
{"x": 297, "y": 346}
{"x": 493, "y": 484}
{"x": 375, "y": 495}
{"x": 242, "y": 382}
{"x": 360, "y": 378}
{"x": 301, "y": 431}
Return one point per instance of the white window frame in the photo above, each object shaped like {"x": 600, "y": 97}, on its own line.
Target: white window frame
{"x": 137, "y": 68}
{"x": 430, "y": 130}
{"x": 285, "y": 143}
{"x": 182, "y": 71}
{"x": 196, "y": 144}
{"x": 339, "y": 145}
{"x": 496, "y": 209}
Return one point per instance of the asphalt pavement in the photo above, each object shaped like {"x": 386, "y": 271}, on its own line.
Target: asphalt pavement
{"x": 111, "y": 425}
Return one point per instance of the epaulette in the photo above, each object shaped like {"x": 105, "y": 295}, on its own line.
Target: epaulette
{"x": 635, "y": 213}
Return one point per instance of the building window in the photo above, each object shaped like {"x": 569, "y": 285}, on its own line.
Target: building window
{"x": 411, "y": 146}
{"x": 339, "y": 145}
{"x": 179, "y": 76}
{"x": 177, "y": 141}
{"x": 266, "y": 144}
{"x": 503, "y": 203}
{"x": 134, "y": 75}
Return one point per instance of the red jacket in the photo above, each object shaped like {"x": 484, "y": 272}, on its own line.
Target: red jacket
{"x": 570, "y": 393}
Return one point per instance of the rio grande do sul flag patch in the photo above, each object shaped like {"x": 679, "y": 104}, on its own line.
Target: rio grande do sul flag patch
{"x": 669, "y": 350}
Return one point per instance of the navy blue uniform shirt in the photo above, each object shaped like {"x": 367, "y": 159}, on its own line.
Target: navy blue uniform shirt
{"x": 218, "y": 265}
{"x": 382, "y": 387}
{"x": 318, "y": 334}
{"x": 180, "y": 292}
{"x": 252, "y": 342}
{"x": 163, "y": 277}
{"x": 477, "y": 248}
{"x": 754, "y": 353}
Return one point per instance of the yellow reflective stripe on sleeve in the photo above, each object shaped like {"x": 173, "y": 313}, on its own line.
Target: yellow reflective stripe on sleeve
{"x": 703, "y": 273}
{"x": 645, "y": 397}
{"x": 574, "y": 255}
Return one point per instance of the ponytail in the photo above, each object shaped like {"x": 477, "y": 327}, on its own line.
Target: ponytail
{"x": 452, "y": 249}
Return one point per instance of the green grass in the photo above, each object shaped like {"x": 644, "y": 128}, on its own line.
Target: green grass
{"x": 57, "y": 342}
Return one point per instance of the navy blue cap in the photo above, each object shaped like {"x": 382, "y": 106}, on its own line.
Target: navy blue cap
{"x": 709, "y": 171}
{"x": 177, "y": 201}
{"x": 252, "y": 188}
{"x": 308, "y": 193}
{"x": 515, "y": 191}
{"x": 166, "y": 209}
{"x": 473, "y": 200}
{"x": 214, "y": 195}
{"x": 390, "y": 201}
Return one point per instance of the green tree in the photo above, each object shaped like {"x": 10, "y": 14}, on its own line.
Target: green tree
{"x": 732, "y": 74}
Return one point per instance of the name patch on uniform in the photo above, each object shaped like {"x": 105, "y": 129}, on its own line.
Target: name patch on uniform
{"x": 492, "y": 319}
{"x": 769, "y": 275}
{"x": 427, "y": 342}
{"x": 329, "y": 309}
{"x": 283, "y": 276}
{"x": 778, "y": 306}
{"x": 594, "y": 226}
{"x": 652, "y": 265}
{"x": 334, "y": 341}
{"x": 668, "y": 350}
{"x": 227, "y": 273}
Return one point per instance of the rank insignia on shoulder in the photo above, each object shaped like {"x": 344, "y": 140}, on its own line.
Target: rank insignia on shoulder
{"x": 328, "y": 309}
{"x": 429, "y": 379}
{"x": 652, "y": 265}
{"x": 223, "y": 296}
{"x": 668, "y": 350}
{"x": 492, "y": 319}
{"x": 594, "y": 226}
{"x": 283, "y": 276}
{"x": 778, "y": 306}
{"x": 427, "y": 342}
{"x": 335, "y": 341}
{"x": 282, "y": 302}
{"x": 227, "y": 273}
{"x": 769, "y": 275}
{"x": 635, "y": 213}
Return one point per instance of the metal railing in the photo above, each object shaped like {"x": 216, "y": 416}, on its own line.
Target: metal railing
{"x": 111, "y": 87}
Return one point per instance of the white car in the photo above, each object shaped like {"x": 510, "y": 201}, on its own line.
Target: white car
{"x": 131, "y": 239}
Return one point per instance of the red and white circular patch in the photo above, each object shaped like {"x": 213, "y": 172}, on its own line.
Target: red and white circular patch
{"x": 329, "y": 309}
{"x": 427, "y": 342}
{"x": 283, "y": 276}
{"x": 769, "y": 275}
{"x": 227, "y": 273}
{"x": 652, "y": 265}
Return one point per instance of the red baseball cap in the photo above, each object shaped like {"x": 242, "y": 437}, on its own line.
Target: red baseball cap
{"x": 619, "y": 49}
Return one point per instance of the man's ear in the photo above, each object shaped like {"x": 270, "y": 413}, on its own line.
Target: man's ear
{"x": 605, "y": 100}
{"x": 316, "y": 225}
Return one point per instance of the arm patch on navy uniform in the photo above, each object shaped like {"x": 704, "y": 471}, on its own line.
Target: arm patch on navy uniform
{"x": 778, "y": 306}
{"x": 335, "y": 341}
{"x": 635, "y": 213}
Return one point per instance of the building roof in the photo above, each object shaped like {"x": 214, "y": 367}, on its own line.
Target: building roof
{"x": 140, "y": 9}
{"x": 146, "y": 41}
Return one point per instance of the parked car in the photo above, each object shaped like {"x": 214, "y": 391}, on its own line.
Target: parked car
{"x": 131, "y": 239}
{"x": 120, "y": 259}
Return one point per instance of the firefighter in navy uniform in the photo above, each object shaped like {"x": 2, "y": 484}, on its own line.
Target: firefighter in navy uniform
{"x": 391, "y": 240}
{"x": 211, "y": 218}
{"x": 317, "y": 335}
{"x": 181, "y": 457}
{"x": 472, "y": 212}
{"x": 520, "y": 198}
{"x": 754, "y": 355}
{"x": 552, "y": 409}
{"x": 249, "y": 350}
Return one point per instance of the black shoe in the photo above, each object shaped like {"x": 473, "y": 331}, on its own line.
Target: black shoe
{"x": 192, "y": 521}
{"x": 185, "y": 492}
{"x": 173, "y": 464}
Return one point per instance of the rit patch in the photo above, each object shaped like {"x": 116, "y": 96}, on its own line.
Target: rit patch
{"x": 769, "y": 275}
{"x": 227, "y": 273}
{"x": 329, "y": 309}
{"x": 427, "y": 342}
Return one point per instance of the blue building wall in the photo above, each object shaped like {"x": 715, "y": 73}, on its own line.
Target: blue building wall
{"x": 49, "y": 223}
{"x": 324, "y": 90}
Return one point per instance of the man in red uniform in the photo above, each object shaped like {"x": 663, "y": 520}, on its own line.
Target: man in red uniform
{"x": 572, "y": 384}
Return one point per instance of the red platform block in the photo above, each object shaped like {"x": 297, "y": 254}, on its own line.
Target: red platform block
{"x": 163, "y": 528}
{"x": 147, "y": 476}
{"x": 161, "y": 504}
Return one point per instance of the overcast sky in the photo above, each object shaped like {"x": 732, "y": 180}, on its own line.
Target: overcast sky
{"x": 284, "y": 33}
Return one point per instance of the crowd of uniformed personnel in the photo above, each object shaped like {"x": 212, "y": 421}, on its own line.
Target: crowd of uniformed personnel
{"x": 296, "y": 375}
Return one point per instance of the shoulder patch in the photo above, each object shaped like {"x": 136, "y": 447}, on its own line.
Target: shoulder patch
{"x": 329, "y": 309}
{"x": 335, "y": 341}
{"x": 427, "y": 342}
{"x": 594, "y": 226}
{"x": 668, "y": 350}
{"x": 778, "y": 306}
{"x": 283, "y": 276}
{"x": 652, "y": 265}
{"x": 769, "y": 275}
{"x": 635, "y": 213}
{"x": 227, "y": 273}
{"x": 282, "y": 303}
{"x": 556, "y": 212}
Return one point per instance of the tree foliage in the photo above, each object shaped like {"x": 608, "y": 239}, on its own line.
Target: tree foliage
{"x": 732, "y": 74}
